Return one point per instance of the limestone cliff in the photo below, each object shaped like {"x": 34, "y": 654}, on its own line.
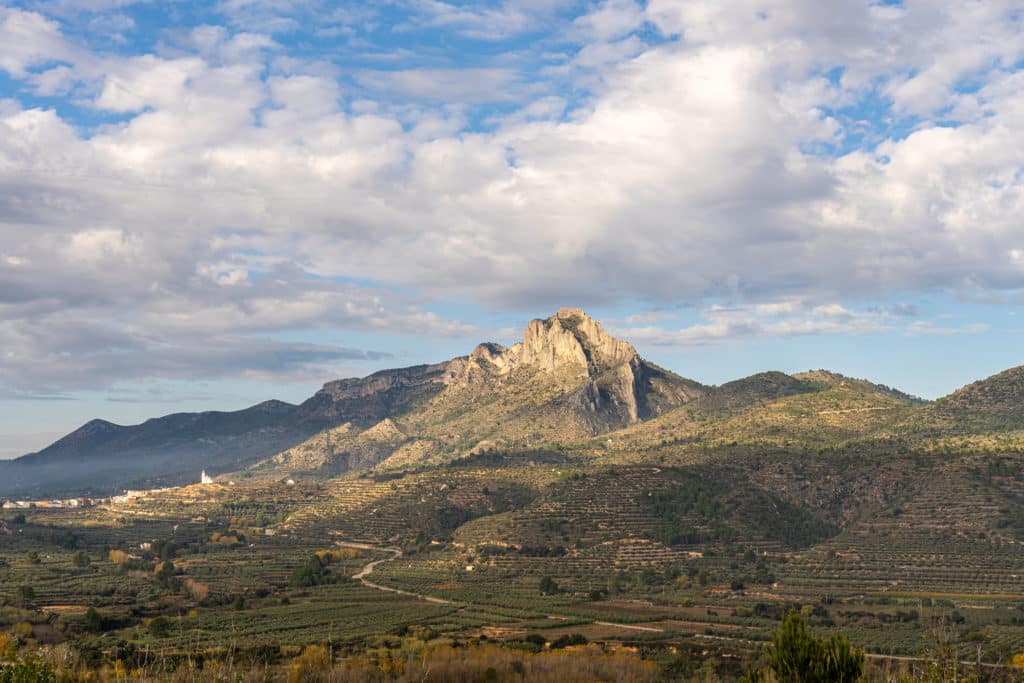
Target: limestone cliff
{"x": 606, "y": 376}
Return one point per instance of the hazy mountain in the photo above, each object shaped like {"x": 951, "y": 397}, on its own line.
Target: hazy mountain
{"x": 101, "y": 457}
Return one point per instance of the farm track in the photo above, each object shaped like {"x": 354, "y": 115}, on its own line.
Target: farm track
{"x": 369, "y": 567}
{"x": 396, "y": 553}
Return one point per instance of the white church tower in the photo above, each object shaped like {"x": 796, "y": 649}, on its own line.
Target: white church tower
{"x": 205, "y": 478}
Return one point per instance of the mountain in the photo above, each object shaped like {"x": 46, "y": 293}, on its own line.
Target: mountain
{"x": 101, "y": 458}
{"x": 568, "y": 385}
{"x": 993, "y": 403}
{"x": 567, "y": 379}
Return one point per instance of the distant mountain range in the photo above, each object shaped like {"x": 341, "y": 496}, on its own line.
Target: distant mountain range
{"x": 567, "y": 385}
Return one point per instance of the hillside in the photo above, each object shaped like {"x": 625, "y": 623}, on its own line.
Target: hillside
{"x": 773, "y": 411}
{"x": 995, "y": 403}
{"x": 558, "y": 486}
{"x": 101, "y": 458}
{"x": 567, "y": 380}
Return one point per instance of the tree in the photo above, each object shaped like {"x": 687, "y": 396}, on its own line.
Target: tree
{"x": 80, "y": 559}
{"x": 165, "y": 575}
{"x": 797, "y": 656}
{"x": 160, "y": 627}
{"x": 548, "y": 586}
{"x": 93, "y": 621}
{"x": 26, "y": 594}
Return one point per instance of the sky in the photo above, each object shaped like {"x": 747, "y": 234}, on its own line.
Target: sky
{"x": 204, "y": 205}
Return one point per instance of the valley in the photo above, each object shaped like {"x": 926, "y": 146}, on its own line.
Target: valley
{"x": 558, "y": 496}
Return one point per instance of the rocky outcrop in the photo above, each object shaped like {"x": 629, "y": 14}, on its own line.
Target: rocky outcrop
{"x": 611, "y": 381}
{"x": 368, "y": 400}
{"x": 571, "y": 337}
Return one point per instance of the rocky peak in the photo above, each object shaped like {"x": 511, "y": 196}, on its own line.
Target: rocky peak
{"x": 609, "y": 371}
{"x": 571, "y": 337}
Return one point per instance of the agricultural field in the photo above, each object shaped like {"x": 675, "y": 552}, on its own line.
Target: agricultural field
{"x": 689, "y": 566}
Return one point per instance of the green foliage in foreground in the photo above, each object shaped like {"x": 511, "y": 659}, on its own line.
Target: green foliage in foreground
{"x": 797, "y": 656}
{"x": 29, "y": 668}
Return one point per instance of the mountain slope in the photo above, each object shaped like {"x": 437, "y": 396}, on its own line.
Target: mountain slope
{"x": 994, "y": 403}
{"x": 767, "y": 410}
{"x": 567, "y": 385}
{"x": 566, "y": 380}
{"x": 102, "y": 458}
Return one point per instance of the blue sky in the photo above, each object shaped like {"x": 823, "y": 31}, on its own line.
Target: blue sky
{"x": 205, "y": 205}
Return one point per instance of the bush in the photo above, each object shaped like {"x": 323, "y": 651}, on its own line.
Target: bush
{"x": 797, "y": 656}
{"x": 29, "y": 668}
{"x": 569, "y": 639}
{"x": 25, "y": 595}
{"x": 308, "y": 666}
{"x": 93, "y": 621}
{"x": 160, "y": 627}
{"x": 548, "y": 586}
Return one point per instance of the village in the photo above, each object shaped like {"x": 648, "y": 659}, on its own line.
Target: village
{"x": 128, "y": 496}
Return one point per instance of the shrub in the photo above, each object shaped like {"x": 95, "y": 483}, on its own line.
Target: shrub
{"x": 93, "y": 621}
{"x": 308, "y": 666}
{"x": 25, "y": 595}
{"x": 28, "y": 668}
{"x": 548, "y": 586}
{"x": 797, "y": 656}
{"x": 160, "y": 627}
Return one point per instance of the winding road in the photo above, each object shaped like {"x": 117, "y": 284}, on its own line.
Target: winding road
{"x": 369, "y": 567}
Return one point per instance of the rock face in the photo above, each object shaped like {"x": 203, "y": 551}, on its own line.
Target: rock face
{"x": 368, "y": 400}
{"x": 571, "y": 337}
{"x": 613, "y": 379}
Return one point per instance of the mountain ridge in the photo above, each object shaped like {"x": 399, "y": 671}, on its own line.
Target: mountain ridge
{"x": 566, "y": 381}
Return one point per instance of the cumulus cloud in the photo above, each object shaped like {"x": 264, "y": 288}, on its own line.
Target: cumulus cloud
{"x": 237, "y": 189}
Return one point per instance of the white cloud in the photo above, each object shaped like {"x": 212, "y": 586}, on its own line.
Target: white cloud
{"x": 241, "y": 184}
{"x": 28, "y": 39}
{"x": 94, "y": 246}
{"x": 611, "y": 20}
